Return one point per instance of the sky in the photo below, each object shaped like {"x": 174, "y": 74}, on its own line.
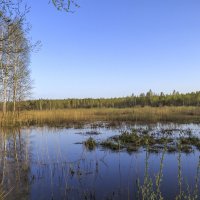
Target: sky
{"x": 113, "y": 48}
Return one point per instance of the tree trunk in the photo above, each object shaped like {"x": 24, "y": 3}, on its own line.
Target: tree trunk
{"x": 15, "y": 85}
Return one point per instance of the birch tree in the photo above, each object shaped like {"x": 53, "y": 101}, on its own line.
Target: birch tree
{"x": 21, "y": 83}
{"x": 5, "y": 62}
{"x": 14, "y": 54}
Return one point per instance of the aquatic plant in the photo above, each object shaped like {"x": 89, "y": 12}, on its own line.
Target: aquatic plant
{"x": 90, "y": 143}
{"x": 71, "y": 175}
{"x": 111, "y": 145}
{"x": 191, "y": 140}
{"x": 135, "y": 139}
{"x": 190, "y": 193}
{"x": 150, "y": 189}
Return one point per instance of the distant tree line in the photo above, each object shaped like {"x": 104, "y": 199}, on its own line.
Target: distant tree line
{"x": 148, "y": 99}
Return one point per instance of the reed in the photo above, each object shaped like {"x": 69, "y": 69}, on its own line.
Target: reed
{"x": 150, "y": 188}
{"x": 111, "y": 115}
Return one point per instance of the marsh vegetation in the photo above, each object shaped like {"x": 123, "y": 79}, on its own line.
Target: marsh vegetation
{"x": 135, "y": 139}
{"x": 143, "y": 147}
{"x": 72, "y": 163}
{"x": 112, "y": 116}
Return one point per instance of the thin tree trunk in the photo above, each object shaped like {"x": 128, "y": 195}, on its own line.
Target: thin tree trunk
{"x": 1, "y": 58}
{"x": 15, "y": 85}
{"x": 5, "y": 79}
{"x": 5, "y": 93}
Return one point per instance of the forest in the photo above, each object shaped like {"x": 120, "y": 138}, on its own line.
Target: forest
{"x": 149, "y": 99}
{"x": 143, "y": 146}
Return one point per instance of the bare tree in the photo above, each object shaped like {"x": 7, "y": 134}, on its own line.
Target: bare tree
{"x": 20, "y": 84}
{"x": 14, "y": 52}
{"x": 5, "y": 62}
{"x": 66, "y": 5}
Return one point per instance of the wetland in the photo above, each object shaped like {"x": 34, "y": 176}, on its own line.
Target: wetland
{"x": 97, "y": 161}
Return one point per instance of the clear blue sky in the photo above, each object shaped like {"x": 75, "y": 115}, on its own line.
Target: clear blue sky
{"x": 111, "y": 48}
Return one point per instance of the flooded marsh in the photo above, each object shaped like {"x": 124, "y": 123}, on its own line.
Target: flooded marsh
{"x": 75, "y": 163}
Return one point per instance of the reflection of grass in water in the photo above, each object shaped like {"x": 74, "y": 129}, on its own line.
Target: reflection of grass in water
{"x": 4, "y": 194}
{"x": 150, "y": 189}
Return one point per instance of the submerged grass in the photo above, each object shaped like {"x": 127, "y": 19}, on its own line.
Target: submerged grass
{"x": 90, "y": 143}
{"x": 192, "y": 140}
{"x": 111, "y": 115}
{"x": 149, "y": 187}
{"x": 111, "y": 145}
{"x": 136, "y": 139}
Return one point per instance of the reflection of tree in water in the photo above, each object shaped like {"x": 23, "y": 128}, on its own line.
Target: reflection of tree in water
{"x": 47, "y": 173}
{"x": 14, "y": 163}
{"x": 76, "y": 180}
{"x": 65, "y": 179}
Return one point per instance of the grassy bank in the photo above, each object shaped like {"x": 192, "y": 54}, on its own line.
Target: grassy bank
{"x": 81, "y": 116}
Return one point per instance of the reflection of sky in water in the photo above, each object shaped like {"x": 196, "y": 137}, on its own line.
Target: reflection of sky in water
{"x": 61, "y": 168}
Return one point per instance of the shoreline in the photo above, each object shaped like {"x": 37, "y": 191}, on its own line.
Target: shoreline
{"x": 111, "y": 116}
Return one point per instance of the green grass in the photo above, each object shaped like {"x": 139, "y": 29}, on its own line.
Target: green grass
{"x": 134, "y": 140}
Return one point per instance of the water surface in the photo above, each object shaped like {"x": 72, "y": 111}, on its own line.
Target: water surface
{"x": 49, "y": 163}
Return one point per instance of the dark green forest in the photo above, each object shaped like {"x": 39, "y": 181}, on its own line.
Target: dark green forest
{"x": 148, "y": 99}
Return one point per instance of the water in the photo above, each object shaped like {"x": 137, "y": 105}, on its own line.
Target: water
{"x": 44, "y": 163}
